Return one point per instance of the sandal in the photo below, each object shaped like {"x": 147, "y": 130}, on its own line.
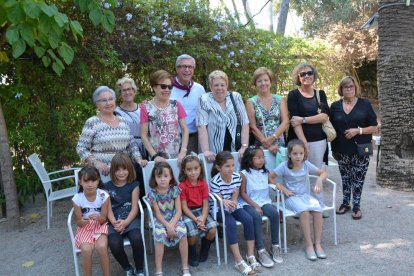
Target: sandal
{"x": 185, "y": 271}
{"x": 356, "y": 213}
{"x": 244, "y": 268}
{"x": 343, "y": 209}
{"x": 255, "y": 265}
{"x": 158, "y": 273}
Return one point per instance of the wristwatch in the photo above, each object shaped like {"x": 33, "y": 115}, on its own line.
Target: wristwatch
{"x": 303, "y": 120}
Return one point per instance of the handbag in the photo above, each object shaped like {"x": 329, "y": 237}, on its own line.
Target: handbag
{"x": 327, "y": 127}
{"x": 364, "y": 149}
{"x": 237, "y": 142}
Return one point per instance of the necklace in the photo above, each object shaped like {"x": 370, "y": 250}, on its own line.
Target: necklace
{"x": 350, "y": 102}
{"x": 107, "y": 120}
{"x": 160, "y": 108}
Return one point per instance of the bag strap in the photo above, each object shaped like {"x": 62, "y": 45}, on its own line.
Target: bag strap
{"x": 318, "y": 98}
{"x": 346, "y": 121}
{"x": 235, "y": 108}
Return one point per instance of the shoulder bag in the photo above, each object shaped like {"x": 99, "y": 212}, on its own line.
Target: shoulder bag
{"x": 362, "y": 149}
{"x": 327, "y": 127}
{"x": 237, "y": 141}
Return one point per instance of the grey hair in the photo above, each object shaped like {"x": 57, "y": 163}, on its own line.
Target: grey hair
{"x": 184, "y": 56}
{"x": 98, "y": 91}
{"x": 124, "y": 80}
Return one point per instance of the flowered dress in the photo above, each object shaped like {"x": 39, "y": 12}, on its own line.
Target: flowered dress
{"x": 167, "y": 209}
{"x": 268, "y": 120}
{"x": 163, "y": 126}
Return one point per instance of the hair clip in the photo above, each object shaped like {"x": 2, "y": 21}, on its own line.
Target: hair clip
{"x": 191, "y": 154}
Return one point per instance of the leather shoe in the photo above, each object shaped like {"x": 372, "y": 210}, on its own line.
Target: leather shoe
{"x": 311, "y": 255}
{"x": 320, "y": 254}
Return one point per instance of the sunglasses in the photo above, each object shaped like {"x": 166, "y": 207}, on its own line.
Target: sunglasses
{"x": 165, "y": 86}
{"x": 303, "y": 74}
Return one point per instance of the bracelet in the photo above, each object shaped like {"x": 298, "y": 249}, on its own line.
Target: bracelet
{"x": 360, "y": 130}
{"x": 274, "y": 135}
{"x": 244, "y": 145}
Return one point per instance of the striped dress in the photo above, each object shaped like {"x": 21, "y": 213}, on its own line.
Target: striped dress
{"x": 210, "y": 113}
{"x": 219, "y": 186}
{"x": 167, "y": 208}
{"x": 93, "y": 230}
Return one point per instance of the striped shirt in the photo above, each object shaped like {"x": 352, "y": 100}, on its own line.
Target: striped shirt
{"x": 103, "y": 141}
{"x": 219, "y": 186}
{"x": 210, "y": 114}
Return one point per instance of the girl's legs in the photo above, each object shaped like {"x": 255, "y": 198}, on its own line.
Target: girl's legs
{"x": 247, "y": 221}
{"x": 257, "y": 223}
{"x": 192, "y": 250}
{"x": 231, "y": 233}
{"x": 317, "y": 229}
{"x": 206, "y": 243}
{"x": 184, "y": 252}
{"x": 137, "y": 245}
{"x": 270, "y": 211}
{"x": 159, "y": 254}
{"x": 87, "y": 250}
{"x": 101, "y": 246}
{"x": 304, "y": 220}
{"x": 116, "y": 244}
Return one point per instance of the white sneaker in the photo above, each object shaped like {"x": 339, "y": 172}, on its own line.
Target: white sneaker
{"x": 264, "y": 258}
{"x": 277, "y": 254}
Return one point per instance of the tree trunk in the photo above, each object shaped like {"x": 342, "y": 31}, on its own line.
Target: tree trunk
{"x": 271, "y": 15}
{"x": 236, "y": 12}
{"x": 283, "y": 13}
{"x": 248, "y": 13}
{"x": 226, "y": 9}
{"x": 7, "y": 178}
{"x": 396, "y": 95}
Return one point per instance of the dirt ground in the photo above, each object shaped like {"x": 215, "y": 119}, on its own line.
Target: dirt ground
{"x": 381, "y": 243}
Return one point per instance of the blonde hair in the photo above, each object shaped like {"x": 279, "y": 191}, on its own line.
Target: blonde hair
{"x": 260, "y": 72}
{"x": 348, "y": 80}
{"x": 217, "y": 74}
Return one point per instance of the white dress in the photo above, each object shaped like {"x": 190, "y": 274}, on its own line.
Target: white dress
{"x": 297, "y": 181}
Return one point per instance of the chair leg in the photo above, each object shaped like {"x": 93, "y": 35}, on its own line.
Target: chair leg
{"x": 284, "y": 233}
{"x": 145, "y": 253}
{"x": 334, "y": 218}
{"x": 224, "y": 242}
{"x": 218, "y": 248}
{"x": 75, "y": 260}
{"x": 48, "y": 207}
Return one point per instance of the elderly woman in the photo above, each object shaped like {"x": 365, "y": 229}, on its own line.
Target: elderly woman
{"x": 129, "y": 109}
{"x": 307, "y": 116}
{"x": 217, "y": 119}
{"x": 161, "y": 121}
{"x": 105, "y": 134}
{"x": 354, "y": 120}
{"x": 267, "y": 112}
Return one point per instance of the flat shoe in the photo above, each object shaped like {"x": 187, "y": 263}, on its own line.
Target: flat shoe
{"x": 311, "y": 256}
{"x": 355, "y": 213}
{"x": 320, "y": 254}
{"x": 343, "y": 209}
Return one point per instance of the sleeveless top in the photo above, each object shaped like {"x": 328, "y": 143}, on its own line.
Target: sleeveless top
{"x": 267, "y": 121}
{"x": 257, "y": 187}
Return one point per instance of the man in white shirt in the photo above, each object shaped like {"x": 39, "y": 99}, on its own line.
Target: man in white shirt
{"x": 188, "y": 93}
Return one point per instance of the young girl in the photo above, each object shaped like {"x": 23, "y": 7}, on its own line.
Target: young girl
{"x": 226, "y": 184}
{"x": 166, "y": 205}
{"x": 123, "y": 216}
{"x": 91, "y": 208}
{"x": 295, "y": 173}
{"x": 254, "y": 193}
{"x": 195, "y": 206}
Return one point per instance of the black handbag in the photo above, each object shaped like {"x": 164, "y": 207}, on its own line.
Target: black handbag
{"x": 364, "y": 149}
{"x": 237, "y": 141}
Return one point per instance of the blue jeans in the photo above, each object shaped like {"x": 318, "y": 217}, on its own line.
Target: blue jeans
{"x": 231, "y": 227}
{"x": 270, "y": 211}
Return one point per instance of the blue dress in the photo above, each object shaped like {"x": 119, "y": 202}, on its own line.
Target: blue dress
{"x": 297, "y": 181}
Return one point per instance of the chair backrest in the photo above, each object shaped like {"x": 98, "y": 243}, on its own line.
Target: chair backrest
{"x": 208, "y": 166}
{"x": 40, "y": 171}
{"x": 70, "y": 228}
{"x": 147, "y": 170}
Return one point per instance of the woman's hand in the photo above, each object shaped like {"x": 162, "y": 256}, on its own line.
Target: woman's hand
{"x": 296, "y": 120}
{"x": 159, "y": 159}
{"x": 268, "y": 142}
{"x": 350, "y": 133}
{"x": 274, "y": 149}
{"x": 143, "y": 162}
{"x": 241, "y": 151}
{"x": 171, "y": 231}
{"x": 318, "y": 186}
{"x": 102, "y": 167}
{"x": 210, "y": 156}
{"x": 180, "y": 157}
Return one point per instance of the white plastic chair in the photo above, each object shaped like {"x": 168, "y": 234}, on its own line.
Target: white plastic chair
{"x": 76, "y": 251}
{"x": 207, "y": 169}
{"x": 146, "y": 172}
{"x": 289, "y": 213}
{"x": 52, "y": 195}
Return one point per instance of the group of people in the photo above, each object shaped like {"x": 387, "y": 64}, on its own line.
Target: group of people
{"x": 181, "y": 119}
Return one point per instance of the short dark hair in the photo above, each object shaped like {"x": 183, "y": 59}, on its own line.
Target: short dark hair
{"x": 122, "y": 160}
{"x": 221, "y": 159}
{"x": 157, "y": 170}
{"x": 184, "y": 162}
{"x": 89, "y": 173}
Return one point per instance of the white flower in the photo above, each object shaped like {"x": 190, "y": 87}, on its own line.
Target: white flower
{"x": 165, "y": 24}
{"x": 223, "y": 47}
{"x": 217, "y": 36}
{"x": 231, "y": 54}
{"x": 18, "y": 95}
{"x": 218, "y": 56}
{"x": 251, "y": 60}
{"x": 107, "y": 5}
{"x": 153, "y": 30}
{"x": 118, "y": 4}
{"x": 128, "y": 16}
{"x": 155, "y": 39}
{"x": 234, "y": 83}
{"x": 241, "y": 51}
{"x": 237, "y": 64}
{"x": 168, "y": 42}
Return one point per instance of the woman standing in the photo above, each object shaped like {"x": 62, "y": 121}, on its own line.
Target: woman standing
{"x": 307, "y": 116}
{"x": 217, "y": 118}
{"x": 105, "y": 134}
{"x": 354, "y": 120}
{"x": 267, "y": 113}
{"x": 161, "y": 120}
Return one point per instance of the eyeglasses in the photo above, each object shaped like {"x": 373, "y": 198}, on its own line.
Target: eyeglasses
{"x": 258, "y": 157}
{"x": 105, "y": 100}
{"x": 129, "y": 89}
{"x": 165, "y": 86}
{"x": 303, "y": 74}
{"x": 189, "y": 67}
{"x": 348, "y": 87}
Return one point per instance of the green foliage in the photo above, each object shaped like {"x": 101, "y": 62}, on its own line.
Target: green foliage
{"x": 45, "y": 113}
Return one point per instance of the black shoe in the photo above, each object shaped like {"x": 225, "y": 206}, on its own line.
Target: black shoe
{"x": 192, "y": 255}
{"x": 205, "y": 248}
